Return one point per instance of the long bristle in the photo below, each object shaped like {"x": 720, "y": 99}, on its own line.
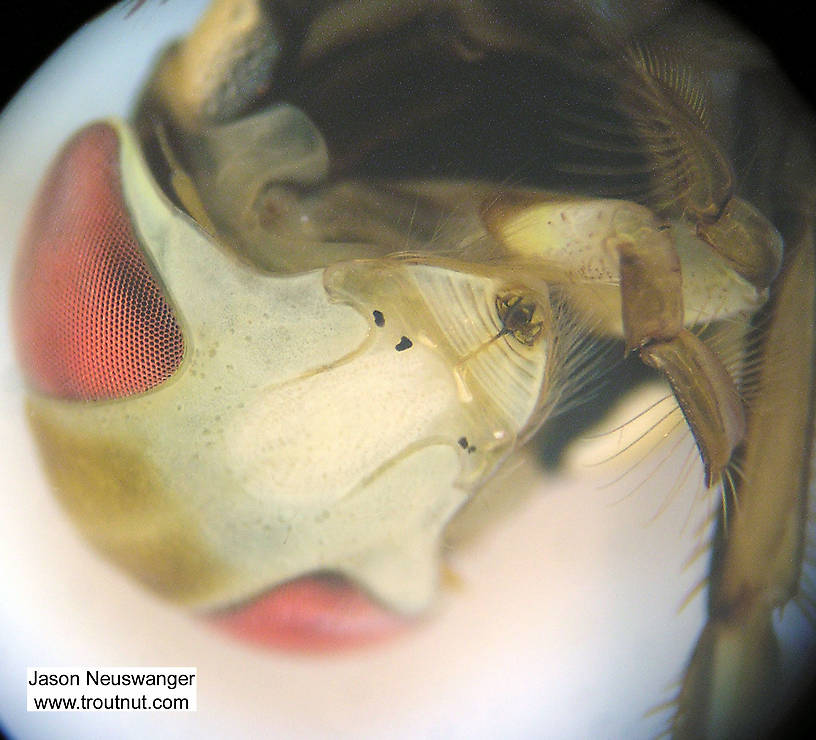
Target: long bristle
{"x": 666, "y": 101}
{"x": 674, "y": 78}
{"x": 642, "y": 131}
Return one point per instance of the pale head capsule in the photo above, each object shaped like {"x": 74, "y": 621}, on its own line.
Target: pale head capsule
{"x": 202, "y": 420}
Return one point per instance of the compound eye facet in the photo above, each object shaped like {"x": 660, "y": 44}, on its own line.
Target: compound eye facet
{"x": 90, "y": 320}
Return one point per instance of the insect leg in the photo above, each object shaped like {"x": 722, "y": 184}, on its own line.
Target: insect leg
{"x": 758, "y": 561}
{"x": 653, "y": 316}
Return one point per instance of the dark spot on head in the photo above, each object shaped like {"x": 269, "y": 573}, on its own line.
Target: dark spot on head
{"x": 379, "y": 319}
{"x": 465, "y": 445}
{"x": 404, "y": 344}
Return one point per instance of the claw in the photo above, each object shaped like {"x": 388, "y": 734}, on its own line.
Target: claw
{"x": 652, "y": 306}
{"x": 706, "y": 394}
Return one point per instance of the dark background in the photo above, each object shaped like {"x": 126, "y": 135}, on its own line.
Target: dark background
{"x": 32, "y": 31}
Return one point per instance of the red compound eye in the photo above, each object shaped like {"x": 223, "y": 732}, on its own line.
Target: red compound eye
{"x": 90, "y": 321}
{"x": 315, "y": 613}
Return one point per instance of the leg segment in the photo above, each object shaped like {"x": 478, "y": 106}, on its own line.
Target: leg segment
{"x": 652, "y": 308}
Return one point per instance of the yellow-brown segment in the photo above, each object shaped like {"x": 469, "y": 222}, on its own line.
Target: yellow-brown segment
{"x": 734, "y": 666}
